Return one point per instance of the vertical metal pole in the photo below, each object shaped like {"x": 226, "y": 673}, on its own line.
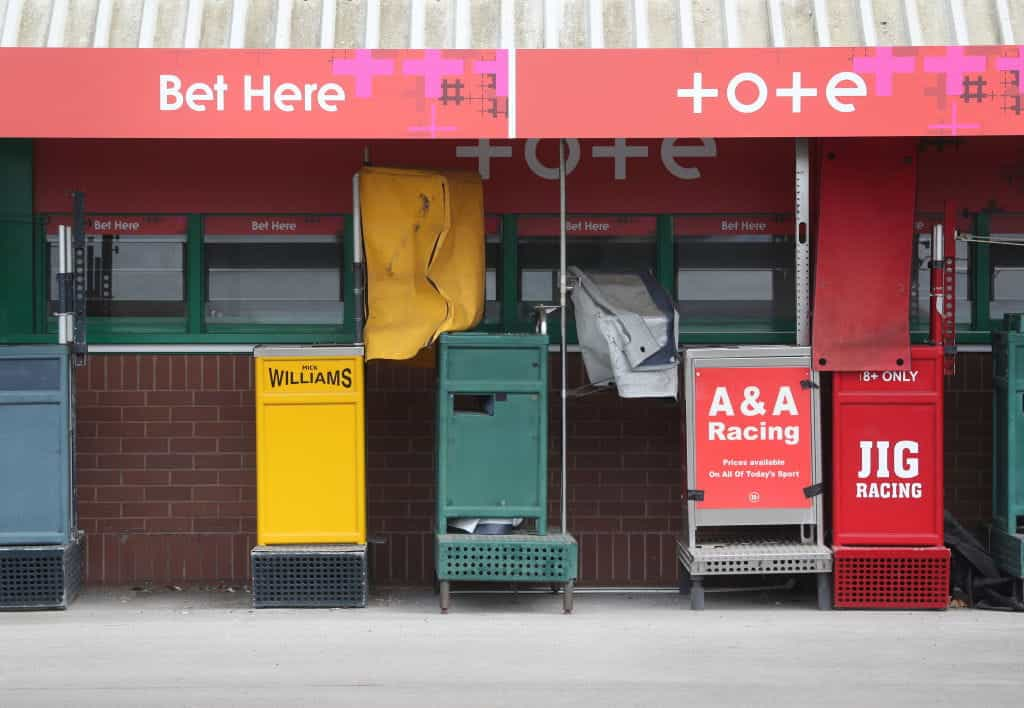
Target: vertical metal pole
{"x": 803, "y": 245}
{"x": 358, "y": 274}
{"x": 563, "y": 315}
{"x": 935, "y": 302}
{"x": 62, "y": 268}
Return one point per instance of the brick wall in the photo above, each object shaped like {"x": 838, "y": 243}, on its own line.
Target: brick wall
{"x": 166, "y": 484}
{"x": 968, "y": 431}
{"x": 166, "y": 467}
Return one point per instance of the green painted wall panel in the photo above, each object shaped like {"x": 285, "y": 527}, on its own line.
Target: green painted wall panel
{"x": 16, "y": 271}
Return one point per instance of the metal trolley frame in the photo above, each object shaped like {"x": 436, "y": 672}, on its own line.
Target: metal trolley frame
{"x": 736, "y": 548}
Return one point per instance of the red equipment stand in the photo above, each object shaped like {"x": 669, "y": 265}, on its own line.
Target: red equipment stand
{"x": 887, "y": 487}
{"x": 887, "y": 482}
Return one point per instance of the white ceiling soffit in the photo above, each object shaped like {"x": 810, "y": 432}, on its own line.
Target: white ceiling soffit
{"x": 396, "y": 24}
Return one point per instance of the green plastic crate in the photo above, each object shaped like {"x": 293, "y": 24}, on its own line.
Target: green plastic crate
{"x": 1008, "y": 422}
{"x": 492, "y": 423}
{"x": 511, "y": 558}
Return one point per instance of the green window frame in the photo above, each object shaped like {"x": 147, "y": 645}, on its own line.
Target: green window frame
{"x": 195, "y": 331}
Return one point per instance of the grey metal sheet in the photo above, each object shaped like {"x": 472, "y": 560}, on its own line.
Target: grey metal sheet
{"x": 743, "y": 357}
{"x": 36, "y": 446}
{"x": 755, "y": 556}
{"x": 273, "y": 350}
{"x": 348, "y": 24}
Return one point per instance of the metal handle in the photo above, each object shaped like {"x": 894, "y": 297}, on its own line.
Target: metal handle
{"x": 542, "y": 312}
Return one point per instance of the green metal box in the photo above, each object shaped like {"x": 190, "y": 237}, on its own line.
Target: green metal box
{"x": 1008, "y": 421}
{"x": 1006, "y": 535}
{"x": 492, "y": 419}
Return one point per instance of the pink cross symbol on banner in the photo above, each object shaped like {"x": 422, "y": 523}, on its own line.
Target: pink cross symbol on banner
{"x": 1014, "y": 64}
{"x": 432, "y": 67}
{"x": 364, "y": 67}
{"x": 433, "y": 128}
{"x": 884, "y": 65}
{"x": 954, "y": 65}
{"x": 953, "y": 126}
{"x": 499, "y": 67}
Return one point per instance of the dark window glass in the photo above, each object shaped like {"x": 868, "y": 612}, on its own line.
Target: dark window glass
{"x": 743, "y": 281}
{"x": 129, "y": 275}
{"x": 1007, "y": 263}
{"x": 538, "y": 255}
{"x": 492, "y": 283}
{"x": 290, "y": 277}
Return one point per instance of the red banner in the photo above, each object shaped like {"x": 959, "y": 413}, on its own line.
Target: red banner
{"x": 98, "y": 225}
{"x": 414, "y": 94}
{"x": 1006, "y": 224}
{"x": 194, "y": 93}
{"x": 588, "y": 226}
{"x": 752, "y": 437}
{"x": 273, "y": 225}
{"x": 734, "y": 225}
{"x": 794, "y": 92}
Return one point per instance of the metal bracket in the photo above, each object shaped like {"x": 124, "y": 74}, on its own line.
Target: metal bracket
{"x": 696, "y": 495}
{"x": 542, "y": 312}
{"x": 949, "y": 288}
{"x": 79, "y": 346}
{"x": 814, "y": 490}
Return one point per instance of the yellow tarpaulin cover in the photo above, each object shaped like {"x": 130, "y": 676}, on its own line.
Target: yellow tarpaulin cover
{"x": 423, "y": 238}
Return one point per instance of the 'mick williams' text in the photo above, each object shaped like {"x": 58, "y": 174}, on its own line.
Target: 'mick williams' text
{"x": 310, "y": 375}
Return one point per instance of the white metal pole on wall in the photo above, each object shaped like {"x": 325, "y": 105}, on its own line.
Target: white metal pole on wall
{"x": 563, "y": 316}
{"x": 62, "y": 268}
{"x": 803, "y": 245}
{"x": 357, "y": 262}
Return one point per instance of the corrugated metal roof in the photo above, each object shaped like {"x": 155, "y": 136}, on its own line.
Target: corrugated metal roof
{"x": 507, "y": 23}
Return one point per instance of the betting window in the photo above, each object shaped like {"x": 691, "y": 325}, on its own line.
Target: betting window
{"x": 921, "y": 277}
{"x": 1006, "y": 265}
{"x": 609, "y": 243}
{"x": 735, "y": 273}
{"x": 273, "y": 270}
{"x": 134, "y": 266}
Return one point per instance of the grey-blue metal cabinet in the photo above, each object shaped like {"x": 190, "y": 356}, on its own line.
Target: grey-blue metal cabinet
{"x": 36, "y": 446}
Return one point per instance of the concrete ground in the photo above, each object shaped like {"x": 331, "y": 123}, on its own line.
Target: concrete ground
{"x": 161, "y": 647}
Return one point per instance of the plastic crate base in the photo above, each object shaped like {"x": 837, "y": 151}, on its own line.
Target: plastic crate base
{"x": 892, "y": 577}
{"x": 41, "y": 577}
{"x": 309, "y": 576}
{"x": 753, "y": 557}
{"x": 509, "y": 558}
{"x": 1007, "y": 550}
{"x": 512, "y": 558}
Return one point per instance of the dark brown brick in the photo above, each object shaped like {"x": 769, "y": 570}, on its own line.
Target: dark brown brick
{"x": 169, "y": 398}
{"x": 193, "y": 477}
{"x": 194, "y": 413}
{"x": 120, "y": 493}
{"x": 168, "y": 493}
{"x": 169, "y": 430}
{"x": 169, "y": 462}
{"x": 145, "y": 477}
{"x": 144, "y": 445}
{"x": 194, "y": 445}
{"x": 147, "y": 413}
{"x": 146, "y": 510}
{"x": 217, "y": 493}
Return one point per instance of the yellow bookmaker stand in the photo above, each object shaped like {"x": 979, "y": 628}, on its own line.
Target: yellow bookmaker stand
{"x": 310, "y": 478}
